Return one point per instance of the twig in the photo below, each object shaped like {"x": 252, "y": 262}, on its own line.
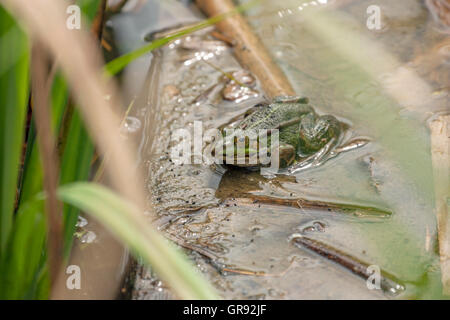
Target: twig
{"x": 226, "y": 74}
{"x": 118, "y": 7}
{"x": 222, "y": 37}
{"x": 350, "y": 209}
{"x": 99, "y": 20}
{"x": 440, "y": 155}
{"x": 248, "y": 48}
{"x": 97, "y": 30}
{"x": 65, "y": 127}
{"x": 388, "y": 283}
{"x": 257, "y": 273}
{"x": 49, "y": 158}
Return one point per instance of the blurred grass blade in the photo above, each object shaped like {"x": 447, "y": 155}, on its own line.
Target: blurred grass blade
{"x": 88, "y": 8}
{"x": 77, "y": 155}
{"x": 125, "y": 221}
{"x": 23, "y": 258}
{"x": 14, "y": 63}
{"x": 75, "y": 166}
{"x": 32, "y": 174}
{"x": 116, "y": 65}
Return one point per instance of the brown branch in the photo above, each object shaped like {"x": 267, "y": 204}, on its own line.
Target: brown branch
{"x": 440, "y": 155}
{"x": 388, "y": 282}
{"x": 48, "y": 156}
{"x": 99, "y": 20}
{"x": 248, "y": 48}
{"x": 97, "y": 30}
{"x": 299, "y": 203}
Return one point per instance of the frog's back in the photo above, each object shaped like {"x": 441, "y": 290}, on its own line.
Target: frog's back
{"x": 271, "y": 115}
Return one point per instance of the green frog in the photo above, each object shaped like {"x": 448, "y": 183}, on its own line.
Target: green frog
{"x": 302, "y": 132}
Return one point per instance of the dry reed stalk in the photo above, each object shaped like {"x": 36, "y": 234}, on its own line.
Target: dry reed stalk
{"x": 49, "y": 158}
{"x": 440, "y": 153}
{"x": 248, "y": 48}
{"x": 79, "y": 56}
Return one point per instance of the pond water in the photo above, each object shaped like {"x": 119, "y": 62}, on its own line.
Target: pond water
{"x": 364, "y": 78}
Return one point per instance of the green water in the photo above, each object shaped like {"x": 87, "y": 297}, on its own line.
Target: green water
{"x": 346, "y": 70}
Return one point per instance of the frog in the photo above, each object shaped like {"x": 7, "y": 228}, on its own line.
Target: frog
{"x": 302, "y": 132}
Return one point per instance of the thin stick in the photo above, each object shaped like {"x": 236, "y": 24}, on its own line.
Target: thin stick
{"x": 440, "y": 155}
{"x": 388, "y": 283}
{"x": 97, "y": 30}
{"x": 99, "y": 20}
{"x": 49, "y": 158}
{"x": 334, "y": 207}
{"x": 248, "y": 48}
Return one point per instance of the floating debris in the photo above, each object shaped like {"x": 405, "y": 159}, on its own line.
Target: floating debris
{"x": 314, "y": 226}
{"x": 239, "y": 88}
{"x": 131, "y": 125}
{"x": 82, "y": 222}
{"x": 88, "y": 237}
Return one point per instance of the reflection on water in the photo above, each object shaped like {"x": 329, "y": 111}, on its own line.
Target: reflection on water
{"x": 329, "y": 76}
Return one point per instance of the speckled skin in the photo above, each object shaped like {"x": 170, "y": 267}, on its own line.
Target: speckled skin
{"x": 299, "y": 139}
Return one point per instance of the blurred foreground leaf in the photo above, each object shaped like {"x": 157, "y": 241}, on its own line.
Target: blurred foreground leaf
{"x": 14, "y": 65}
{"x": 125, "y": 221}
{"x": 116, "y": 65}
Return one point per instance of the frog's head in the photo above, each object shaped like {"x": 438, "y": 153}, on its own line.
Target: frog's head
{"x": 316, "y": 131}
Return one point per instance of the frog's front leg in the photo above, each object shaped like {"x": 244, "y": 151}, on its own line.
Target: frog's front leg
{"x": 286, "y": 155}
{"x": 316, "y": 132}
{"x": 315, "y": 159}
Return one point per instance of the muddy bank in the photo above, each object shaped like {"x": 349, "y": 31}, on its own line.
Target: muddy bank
{"x": 243, "y": 246}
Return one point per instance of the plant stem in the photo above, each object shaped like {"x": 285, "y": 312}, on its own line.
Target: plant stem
{"x": 49, "y": 158}
{"x": 99, "y": 20}
{"x": 440, "y": 155}
{"x": 388, "y": 283}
